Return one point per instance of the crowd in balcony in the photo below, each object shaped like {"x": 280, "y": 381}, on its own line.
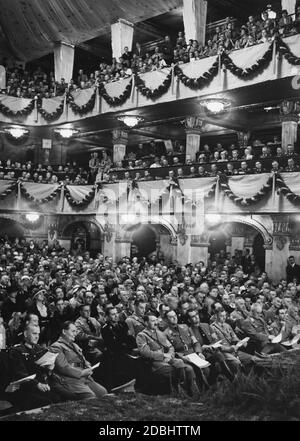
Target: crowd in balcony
{"x": 232, "y": 160}
{"x": 228, "y": 37}
{"x": 62, "y": 312}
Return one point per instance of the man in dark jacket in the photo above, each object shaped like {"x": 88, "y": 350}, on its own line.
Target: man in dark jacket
{"x": 292, "y": 270}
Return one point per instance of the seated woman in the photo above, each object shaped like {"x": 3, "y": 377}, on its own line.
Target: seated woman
{"x": 73, "y": 379}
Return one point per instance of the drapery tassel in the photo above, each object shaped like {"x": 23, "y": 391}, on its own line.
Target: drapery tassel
{"x": 172, "y": 80}
{"x": 36, "y": 113}
{"x": 273, "y": 189}
{"x": 98, "y": 101}
{"x": 274, "y": 58}
{"x": 62, "y": 198}
{"x": 132, "y": 88}
{"x": 19, "y": 195}
{"x": 220, "y": 70}
{"x": 66, "y": 105}
{"x": 217, "y": 191}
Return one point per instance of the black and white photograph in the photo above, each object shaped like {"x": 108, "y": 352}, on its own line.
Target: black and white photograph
{"x": 149, "y": 215}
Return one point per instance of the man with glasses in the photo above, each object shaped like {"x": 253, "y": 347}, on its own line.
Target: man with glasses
{"x": 89, "y": 334}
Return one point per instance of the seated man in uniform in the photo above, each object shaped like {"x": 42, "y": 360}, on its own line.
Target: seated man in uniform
{"x": 118, "y": 366}
{"x": 73, "y": 380}
{"x": 158, "y": 352}
{"x": 136, "y": 322}
{"x": 185, "y": 343}
{"x": 224, "y": 332}
{"x": 89, "y": 336}
{"x": 23, "y": 357}
{"x": 256, "y": 328}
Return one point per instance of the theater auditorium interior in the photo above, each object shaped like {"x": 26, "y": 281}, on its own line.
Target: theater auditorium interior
{"x": 149, "y": 198}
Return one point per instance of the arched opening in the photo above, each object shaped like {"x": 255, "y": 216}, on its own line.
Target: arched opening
{"x": 11, "y": 229}
{"x": 83, "y": 236}
{"x": 217, "y": 243}
{"x": 143, "y": 241}
{"x": 238, "y": 239}
{"x": 259, "y": 251}
{"x": 150, "y": 239}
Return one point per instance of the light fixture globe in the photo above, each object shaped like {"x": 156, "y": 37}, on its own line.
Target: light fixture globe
{"x": 32, "y": 217}
{"x": 130, "y": 120}
{"x": 16, "y": 131}
{"x": 215, "y": 105}
{"x": 66, "y": 132}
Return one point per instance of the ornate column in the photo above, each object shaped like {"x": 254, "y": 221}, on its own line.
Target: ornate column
{"x": 120, "y": 140}
{"x": 289, "y": 115}
{"x": 194, "y": 20}
{"x": 121, "y": 36}
{"x": 278, "y": 253}
{"x": 194, "y": 126}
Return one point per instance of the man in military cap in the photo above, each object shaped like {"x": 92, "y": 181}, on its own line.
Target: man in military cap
{"x": 23, "y": 357}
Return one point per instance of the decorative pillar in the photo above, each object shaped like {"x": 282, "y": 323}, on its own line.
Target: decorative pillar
{"x": 289, "y": 115}
{"x": 120, "y": 141}
{"x": 63, "y": 61}
{"x": 194, "y": 19}
{"x": 121, "y": 36}
{"x": 194, "y": 126}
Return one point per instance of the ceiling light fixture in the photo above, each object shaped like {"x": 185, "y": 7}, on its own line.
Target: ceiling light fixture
{"x": 271, "y": 14}
{"x": 16, "y": 131}
{"x": 65, "y": 132}
{"x": 215, "y": 105}
{"x": 130, "y": 120}
{"x": 32, "y": 217}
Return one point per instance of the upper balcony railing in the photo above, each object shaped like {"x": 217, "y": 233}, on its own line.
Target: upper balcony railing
{"x": 207, "y": 76}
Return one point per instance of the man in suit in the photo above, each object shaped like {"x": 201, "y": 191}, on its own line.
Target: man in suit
{"x": 73, "y": 380}
{"x": 292, "y": 270}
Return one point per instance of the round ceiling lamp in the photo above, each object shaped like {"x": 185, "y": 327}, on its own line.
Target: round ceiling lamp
{"x": 32, "y": 217}
{"x": 215, "y": 105}
{"x": 130, "y": 120}
{"x": 65, "y": 132}
{"x": 16, "y": 132}
{"x": 271, "y": 14}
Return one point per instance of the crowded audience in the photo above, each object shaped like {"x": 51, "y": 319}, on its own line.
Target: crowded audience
{"x": 63, "y": 312}
{"x": 223, "y": 38}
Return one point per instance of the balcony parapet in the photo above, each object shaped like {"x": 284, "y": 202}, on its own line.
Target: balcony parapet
{"x": 212, "y": 75}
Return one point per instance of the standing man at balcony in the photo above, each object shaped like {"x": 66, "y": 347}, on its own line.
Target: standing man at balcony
{"x": 292, "y": 270}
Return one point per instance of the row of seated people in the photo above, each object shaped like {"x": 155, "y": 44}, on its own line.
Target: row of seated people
{"x": 46, "y": 174}
{"x": 62, "y": 313}
{"x": 25, "y": 84}
{"x": 207, "y": 170}
{"x": 224, "y": 38}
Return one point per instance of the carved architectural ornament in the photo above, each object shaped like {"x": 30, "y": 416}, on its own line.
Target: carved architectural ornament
{"x": 194, "y": 124}
{"x": 243, "y": 138}
{"x": 119, "y": 136}
{"x": 289, "y": 111}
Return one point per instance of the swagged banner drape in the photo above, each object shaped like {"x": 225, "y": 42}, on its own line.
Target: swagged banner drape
{"x": 261, "y": 193}
{"x": 243, "y": 67}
